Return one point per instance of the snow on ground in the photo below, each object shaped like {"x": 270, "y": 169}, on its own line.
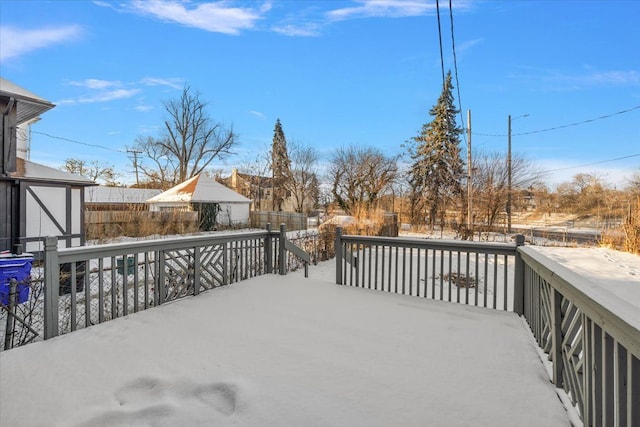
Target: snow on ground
{"x": 286, "y": 351}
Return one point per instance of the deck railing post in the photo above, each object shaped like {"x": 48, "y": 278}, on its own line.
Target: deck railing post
{"x": 197, "y": 270}
{"x": 518, "y": 280}
{"x": 162, "y": 286}
{"x": 51, "y": 287}
{"x": 282, "y": 251}
{"x": 338, "y": 250}
{"x": 268, "y": 251}
{"x": 9, "y": 330}
{"x": 556, "y": 338}
{"x": 225, "y": 264}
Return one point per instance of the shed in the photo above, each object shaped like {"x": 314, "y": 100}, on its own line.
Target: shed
{"x": 35, "y": 200}
{"x": 216, "y": 204}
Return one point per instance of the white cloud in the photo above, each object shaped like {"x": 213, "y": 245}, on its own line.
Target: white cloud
{"x": 304, "y": 30}
{"x": 383, "y": 8}
{"x": 216, "y": 16}
{"x": 258, "y": 114}
{"x": 393, "y": 9}
{"x": 467, "y": 45}
{"x": 559, "y": 171}
{"x": 15, "y": 42}
{"x": 174, "y": 82}
{"x": 607, "y": 78}
{"x": 98, "y": 90}
{"x": 554, "y": 80}
{"x": 96, "y": 84}
{"x": 143, "y": 108}
{"x": 104, "y": 96}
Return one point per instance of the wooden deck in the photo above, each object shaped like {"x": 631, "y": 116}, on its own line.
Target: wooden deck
{"x": 287, "y": 351}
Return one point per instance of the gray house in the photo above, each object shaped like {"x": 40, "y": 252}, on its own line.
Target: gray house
{"x": 36, "y": 201}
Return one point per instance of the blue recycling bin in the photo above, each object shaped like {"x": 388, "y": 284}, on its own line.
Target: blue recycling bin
{"x": 16, "y": 267}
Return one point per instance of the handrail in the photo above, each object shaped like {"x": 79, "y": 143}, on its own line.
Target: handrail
{"x": 617, "y": 316}
{"x": 464, "y": 264}
{"x": 79, "y": 253}
{"x": 456, "y": 245}
{"x": 162, "y": 269}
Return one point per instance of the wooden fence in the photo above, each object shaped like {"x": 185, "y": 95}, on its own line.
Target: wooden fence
{"x": 105, "y": 224}
{"x": 292, "y": 220}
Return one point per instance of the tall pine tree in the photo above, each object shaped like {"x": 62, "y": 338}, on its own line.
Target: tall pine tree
{"x": 280, "y": 166}
{"x": 437, "y": 171}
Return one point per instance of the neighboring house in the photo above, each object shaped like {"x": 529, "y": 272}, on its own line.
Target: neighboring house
{"x": 257, "y": 188}
{"x": 118, "y": 198}
{"x": 36, "y": 201}
{"x": 260, "y": 190}
{"x": 216, "y": 203}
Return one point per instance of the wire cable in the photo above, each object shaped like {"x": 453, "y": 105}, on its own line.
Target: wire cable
{"x": 440, "y": 39}
{"x": 455, "y": 68}
{"x": 80, "y": 142}
{"x": 594, "y": 163}
{"x": 606, "y": 116}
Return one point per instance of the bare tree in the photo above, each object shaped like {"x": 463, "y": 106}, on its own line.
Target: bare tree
{"x": 158, "y": 169}
{"x": 633, "y": 185}
{"x": 302, "y": 181}
{"x": 584, "y": 194}
{"x": 191, "y": 140}
{"x": 359, "y": 175}
{"x": 490, "y": 183}
{"x": 93, "y": 170}
{"x": 257, "y": 171}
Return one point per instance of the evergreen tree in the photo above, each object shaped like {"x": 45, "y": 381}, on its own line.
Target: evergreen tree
{"x": 437, "y": 170}
{"x": 280, "y": 166}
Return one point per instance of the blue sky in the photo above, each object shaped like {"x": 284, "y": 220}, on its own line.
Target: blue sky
{"x": 336, "y": 73}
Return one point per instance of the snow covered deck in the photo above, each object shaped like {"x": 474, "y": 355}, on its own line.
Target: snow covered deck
{"x": 286, "y": 351}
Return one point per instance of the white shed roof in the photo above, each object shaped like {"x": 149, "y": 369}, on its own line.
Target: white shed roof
{"x": 199, "y": 189}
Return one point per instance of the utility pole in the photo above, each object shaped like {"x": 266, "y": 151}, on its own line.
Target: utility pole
{"x": 135, "y": 163}
{"x": 469, "y": 170}
{"x": 510, "y": 172}
{"x": 509, "y": 177}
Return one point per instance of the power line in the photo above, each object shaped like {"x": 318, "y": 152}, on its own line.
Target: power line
{"x": 80, "y": 142}
{"x": 440, "y": 39}
{"x": 606, "y": 116}
{"x": 594, "y": 163}
{"x": 455, "y": 66}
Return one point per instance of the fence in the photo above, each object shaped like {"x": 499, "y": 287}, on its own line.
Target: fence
{"x": 592, "y": 342}
{"x": 87, "y": 285}
{"x": 293, "y": 220}
{"x": 476, "y": 273}
{"x": 104, "y": 224}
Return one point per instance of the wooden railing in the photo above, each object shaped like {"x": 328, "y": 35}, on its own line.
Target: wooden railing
{"x": 103, "y": 282}
{"x": 475, "y": 273}
{"x": 83, "y": 286}
{"x": 592, "y": 339}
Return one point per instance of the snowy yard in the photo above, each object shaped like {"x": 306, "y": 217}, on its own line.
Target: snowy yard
{"x": 286, "y": 351}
